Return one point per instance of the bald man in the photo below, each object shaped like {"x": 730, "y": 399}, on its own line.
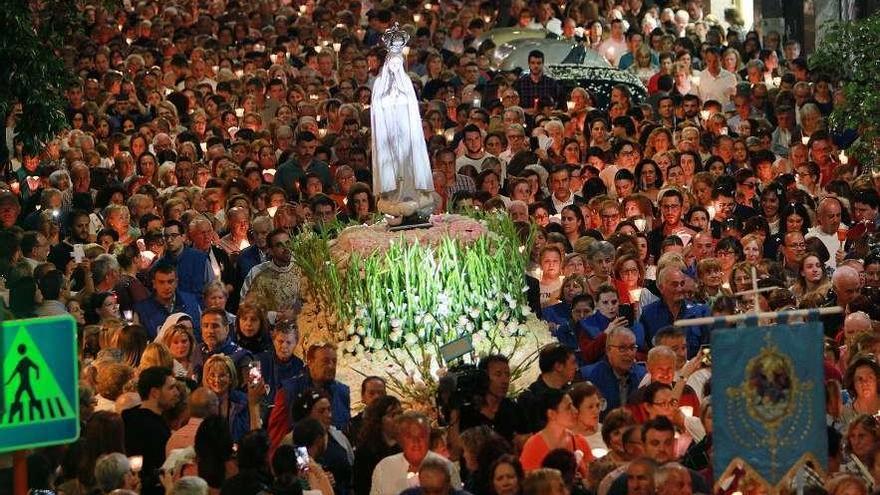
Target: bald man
{"x": 847, "y": 286}
{"x": 855, "y": 324}
{"x": 827, "y": 223}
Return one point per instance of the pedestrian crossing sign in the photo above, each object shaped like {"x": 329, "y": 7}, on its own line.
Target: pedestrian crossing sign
{"x": 39, "y": 403}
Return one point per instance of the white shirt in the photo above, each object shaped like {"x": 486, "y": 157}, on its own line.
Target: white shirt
{"x": 392, "y": 476}
{"x": 612, "y": 50}
{"x": 831, "y": 242}
{"x": 719, "y": 88}
{"x": 559, "y": 205}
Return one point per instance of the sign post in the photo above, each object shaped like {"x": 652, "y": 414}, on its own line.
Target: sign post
{"x": 39, "y": 402}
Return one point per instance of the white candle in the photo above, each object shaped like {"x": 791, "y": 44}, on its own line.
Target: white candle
{"x": 337, "y": 47}
{"x": 417, "y": 18}
{"x": 428, "y": 6}
{"x": 570, "y": 105}
{"x": 805, "y": 139}
{"x": 239, "y": 112}
{"x": 843, "y": 158}
{"x": 688, "y": 411}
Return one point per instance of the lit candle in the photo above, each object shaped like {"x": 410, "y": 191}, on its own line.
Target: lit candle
{"x": 599, "y": 452}
{"x": 635, "y": 295}
{"x": 488, "y": 19}
{"x": 805, "y": 139}
{"x": 239, "y": 112}
{"x": 313, "y": 97}
{"x": 843, "y": 158}
{"x": 570, "y": 105}
{"x": 340, "y": 25}
{"x": 704, "y": 114}
{"x": 318, "y": 48}
{"x": 302, "y": 9}
{"x": 428, "y": 6}
{"x": 204, "y": 147}
{"x": 273, "y": 58}
{"x": 688, "y": 411}
{"x": 417, "y": 18}
{"x": 239, "y": 73}
{"x": 215, "y": 68}
{"x": 337, "y": 47}
{"x": 322, "y": 133}
{"x": 777, "y": 81}
{"x": 128, "y": 40}
{"x": 477, "y": 103}
{"x": 405, "y": 51}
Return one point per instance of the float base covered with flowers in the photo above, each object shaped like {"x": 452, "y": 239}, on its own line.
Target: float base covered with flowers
{"x": 391, "y": 300}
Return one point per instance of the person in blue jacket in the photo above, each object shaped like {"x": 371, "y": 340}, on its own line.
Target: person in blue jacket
{"x": 672, "y": 306}
{"x": 278, "y": 364}
{"x": 617, "y": 375}
{"x": 166, "y": 300}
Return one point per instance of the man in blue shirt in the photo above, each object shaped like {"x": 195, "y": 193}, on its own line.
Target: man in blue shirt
{"x": 617, "y": 375}
{"x": 319, "y": 374}
{"x": 673, "y": 306}
{"x": 193, "y": 267}
{"x": 166, "y": 299}
{"x": 216, "y": 340}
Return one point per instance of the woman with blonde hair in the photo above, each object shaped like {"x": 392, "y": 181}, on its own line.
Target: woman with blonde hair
{"x": 156, "y": 354}
{"x": 181, "y": 343}
{"x": 659, "y": 141}
{"x": 753, "y": 248}
{"x": 544, "y": 481}
{"x": 241, "y": 412}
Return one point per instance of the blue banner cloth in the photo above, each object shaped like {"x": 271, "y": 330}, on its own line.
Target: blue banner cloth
{"x": 768, "y": 399}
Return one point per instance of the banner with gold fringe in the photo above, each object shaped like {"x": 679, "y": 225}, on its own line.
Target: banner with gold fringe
{"x": 768, "y": 402}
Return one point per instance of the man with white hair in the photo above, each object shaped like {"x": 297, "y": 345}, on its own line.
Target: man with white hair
{"x": 518, "y": 211}
{"x": 847, "y": 286}
{"x": 190, "y": 485}
{"x": 672, "y": 306}
{"x": 113, "y": 472}
{"x": 162, "y": 142}
{"x": 682, "y": 18}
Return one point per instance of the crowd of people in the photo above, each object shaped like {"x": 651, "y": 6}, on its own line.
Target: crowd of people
{"x": 204, "y": 135}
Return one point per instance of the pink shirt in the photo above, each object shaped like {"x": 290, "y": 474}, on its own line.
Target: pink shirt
{"x": 183, "y": 437}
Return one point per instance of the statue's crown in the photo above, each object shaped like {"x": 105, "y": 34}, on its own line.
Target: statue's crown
{"x": 395, "y": 38}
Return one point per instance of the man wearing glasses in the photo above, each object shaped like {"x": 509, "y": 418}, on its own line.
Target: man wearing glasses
{"x": 671, "y": 202}
{"x": 617, "y": 375}
{"x": 193, "y": 266}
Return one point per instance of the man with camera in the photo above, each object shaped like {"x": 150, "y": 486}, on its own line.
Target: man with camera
{"x": 490, "y": 405}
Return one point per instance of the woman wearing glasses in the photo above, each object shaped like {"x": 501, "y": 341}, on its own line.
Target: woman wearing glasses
{"x": 659, "y": 400}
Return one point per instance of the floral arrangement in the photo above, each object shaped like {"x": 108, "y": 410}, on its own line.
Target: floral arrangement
{"x": 393, "y": 299}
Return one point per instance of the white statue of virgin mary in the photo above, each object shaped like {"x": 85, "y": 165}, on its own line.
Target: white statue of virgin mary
{"x": 402, "y": 179}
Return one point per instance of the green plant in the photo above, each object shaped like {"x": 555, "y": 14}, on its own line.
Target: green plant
{"x": 401, "y": 302}
{"x": 33, "y": 74}
{"x": 848, "y": 53}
